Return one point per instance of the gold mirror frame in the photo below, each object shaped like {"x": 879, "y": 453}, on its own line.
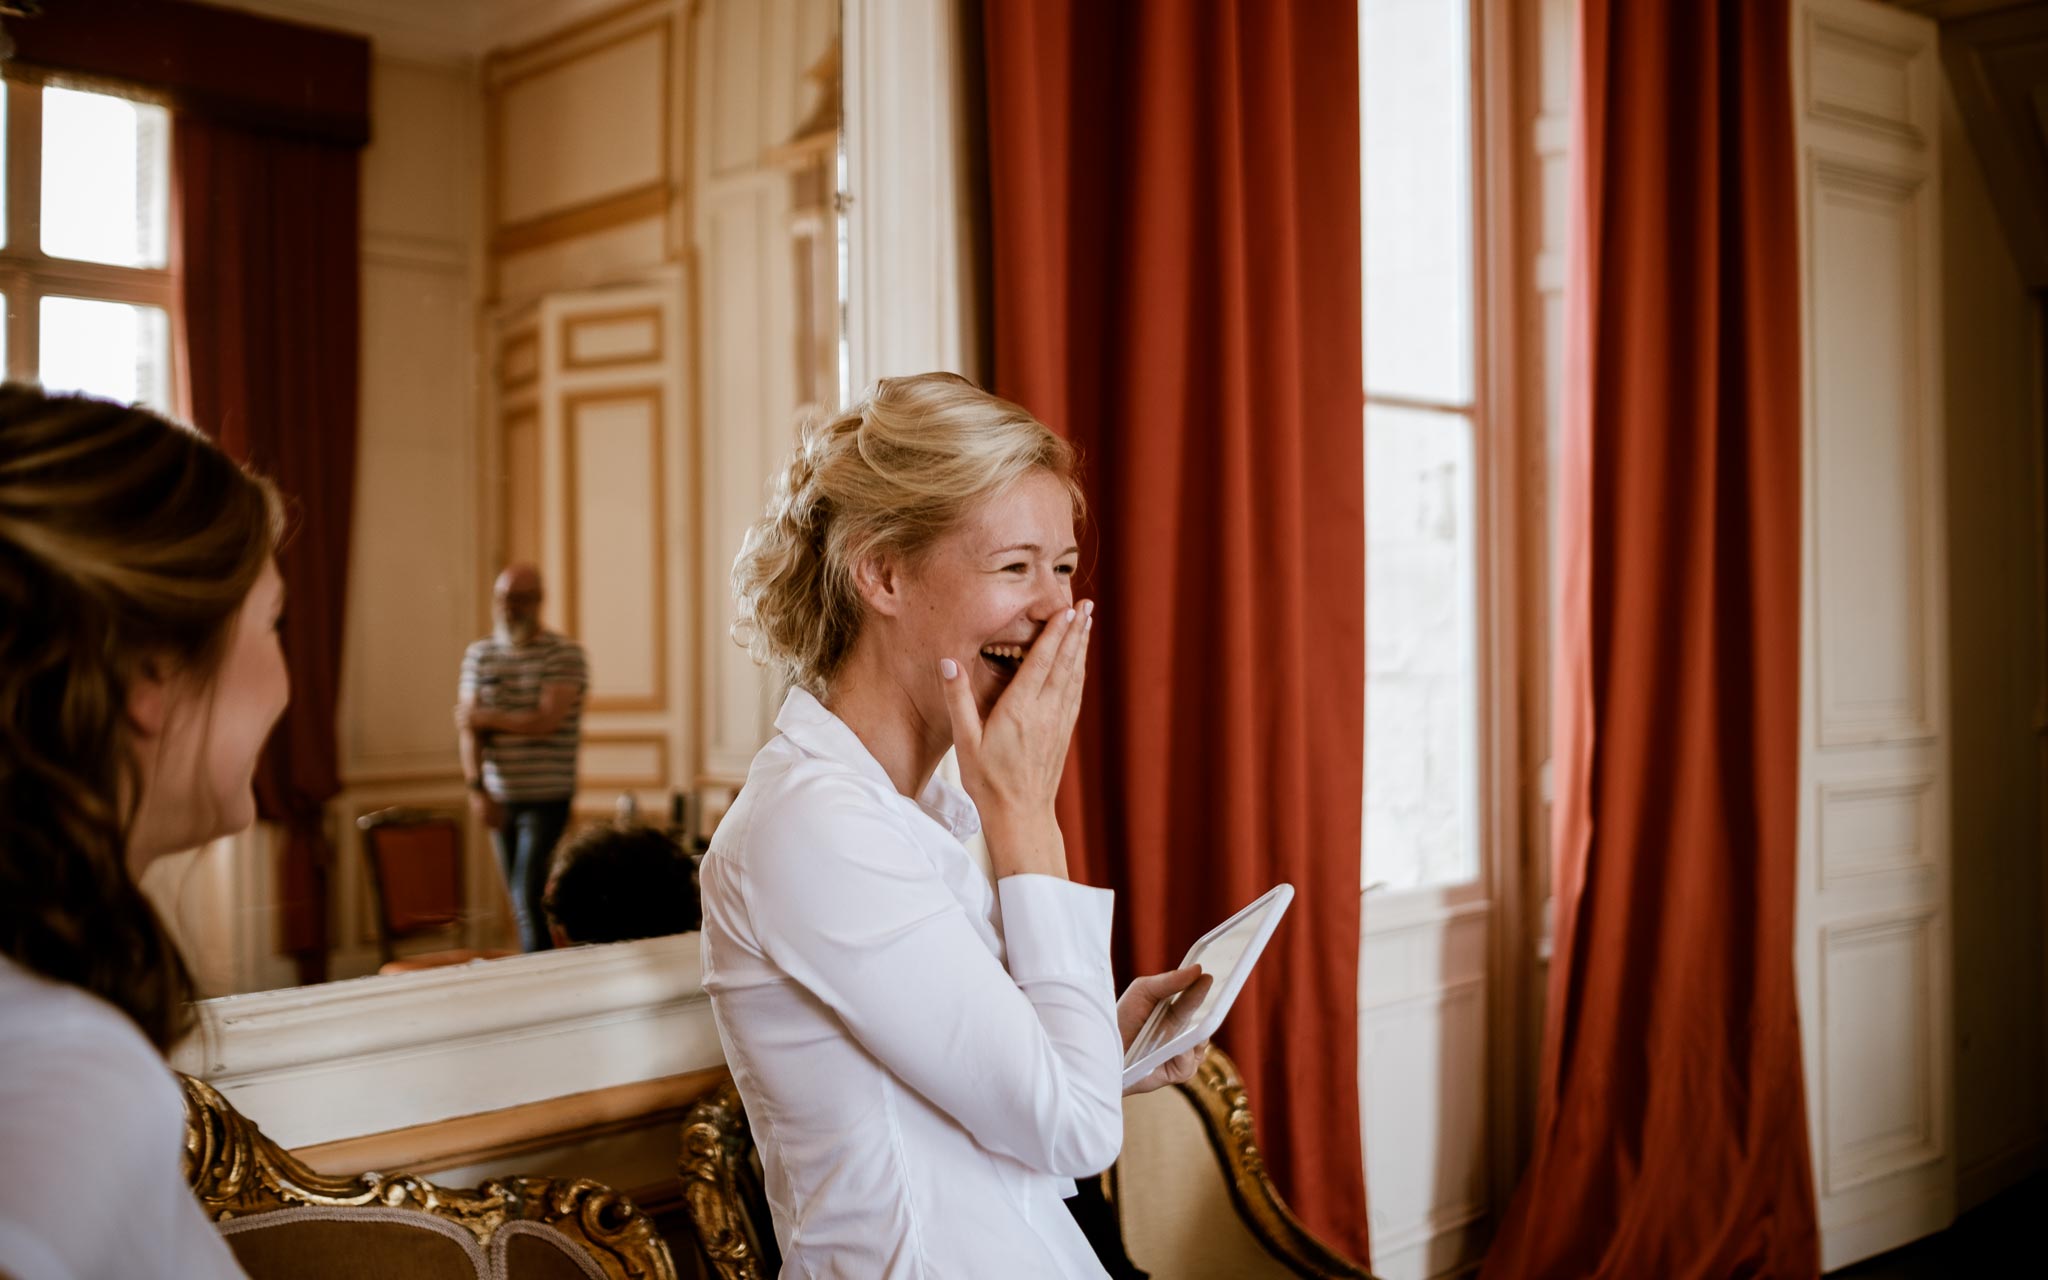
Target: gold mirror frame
{"x": 236, "y": 1171}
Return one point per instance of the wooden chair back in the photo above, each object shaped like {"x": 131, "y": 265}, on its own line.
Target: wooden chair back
{"x": 414, "y": 859}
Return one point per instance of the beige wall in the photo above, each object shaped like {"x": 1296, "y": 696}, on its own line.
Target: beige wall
{"x": 415, "y": 591}
{"x": 583, "y": 140}
{"x": 627, "y": 177}
{"x": 1992, "y": 347}
{"x": 417, "y": 588}
{"x": 750, "y": 58}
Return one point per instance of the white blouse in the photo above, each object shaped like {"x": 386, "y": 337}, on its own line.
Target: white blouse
{"x": 92, "y": 1128}
{"x": 927, "y": 1062}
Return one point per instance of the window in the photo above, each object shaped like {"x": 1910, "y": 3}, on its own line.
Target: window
{"x": 84, "y": 252}
{"x": 1422, "y": 428}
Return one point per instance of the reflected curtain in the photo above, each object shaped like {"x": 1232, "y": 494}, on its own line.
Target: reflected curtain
{"x": 1671, "y": 1137}
{"x": 1175, "y": 245}
{"x": 270, "y": 288}
{"x": 269, "y": 119}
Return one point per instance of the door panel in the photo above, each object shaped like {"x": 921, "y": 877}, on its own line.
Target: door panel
{"x": 1873, "y": 944}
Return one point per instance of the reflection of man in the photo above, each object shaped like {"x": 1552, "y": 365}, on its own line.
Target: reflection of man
{"x": 519, "y": 712}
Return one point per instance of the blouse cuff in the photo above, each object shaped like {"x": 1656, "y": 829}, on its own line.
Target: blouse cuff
{"x": 1054, "y": 927}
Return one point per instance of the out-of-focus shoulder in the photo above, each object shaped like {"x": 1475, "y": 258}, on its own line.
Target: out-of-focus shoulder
{"x": 56, "y": 1022}
{"x": 75, "y": 1060}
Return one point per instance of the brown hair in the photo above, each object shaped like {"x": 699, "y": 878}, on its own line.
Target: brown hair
{"x": 616, "y": 882}
{"x": 124, "y": 538}
{"x": 911, "y": 459}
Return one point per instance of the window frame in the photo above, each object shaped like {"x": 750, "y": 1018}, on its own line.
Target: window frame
{"x": 28, "y": 275}
{"x": 1513, "y": 613}
{"x": 1509, "y": 657}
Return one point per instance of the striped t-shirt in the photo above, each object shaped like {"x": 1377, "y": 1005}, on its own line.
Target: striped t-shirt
{"x": 508, "y": 677}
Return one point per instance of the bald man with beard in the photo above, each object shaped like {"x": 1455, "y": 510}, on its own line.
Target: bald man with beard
{"x": 519, "y": 712}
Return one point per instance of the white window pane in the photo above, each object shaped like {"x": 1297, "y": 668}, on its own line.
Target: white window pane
{"x": 1421, "y": 654}
{"x": 106, "y": 178}
{"x": 112, "y": 349}
{"x": 1415, "y": 90}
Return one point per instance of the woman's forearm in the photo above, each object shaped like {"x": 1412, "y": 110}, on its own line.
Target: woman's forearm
{"x": 1025, "y": 843}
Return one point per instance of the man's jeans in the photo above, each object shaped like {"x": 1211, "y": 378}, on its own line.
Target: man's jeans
{"x": 526, "y": 845}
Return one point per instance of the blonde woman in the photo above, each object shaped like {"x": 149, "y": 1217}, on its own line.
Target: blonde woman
{"x": 140, "y": 673}
{"x": 927, "y": 1059}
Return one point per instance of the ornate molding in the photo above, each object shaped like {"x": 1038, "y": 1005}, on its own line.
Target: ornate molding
{"x": 717, "y": 1150}
{"x": 1219, "y": 1095}
{"x": 716, "y": 1145}
{"x": 236, "y": 1171}
{"x": 344, "y": 1059}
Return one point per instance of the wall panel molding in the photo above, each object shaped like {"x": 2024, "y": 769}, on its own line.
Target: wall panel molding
{"x": 535, "y": 88}
{"x": 1875, "y": 826}
{"x": 1866, "y": 79}
{"x": 615, "y": 761}
{"x": 607, "y": 339}
{"x": 1866, "y": 1133}
{"x": 654, "y": 697}
{"x": 1873, "y": 422}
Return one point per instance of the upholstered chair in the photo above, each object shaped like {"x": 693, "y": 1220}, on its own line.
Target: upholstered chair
{"x": 414, "y": 858}
{"x": 1190, "y": 1190}
{"x": 285, "y": 1222}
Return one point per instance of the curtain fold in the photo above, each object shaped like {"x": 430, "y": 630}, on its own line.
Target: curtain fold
{"x": 270, "y": 279}
{"x": 1175, "y": 245}
{"x": 1671, "y": 1137}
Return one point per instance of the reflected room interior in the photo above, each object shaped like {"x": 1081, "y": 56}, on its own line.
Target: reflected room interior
{"x": 599, "y": 285}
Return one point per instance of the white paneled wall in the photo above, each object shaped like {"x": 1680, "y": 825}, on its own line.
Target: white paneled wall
{"x": 1873, "y": 942}
{"x": 1424, "y": 1052}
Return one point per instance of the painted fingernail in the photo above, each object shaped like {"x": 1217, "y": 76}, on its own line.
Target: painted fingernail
{"x": 948, "y": 668}
{"x": 1070, "y": 615}
{"x": 1088, "y": 607}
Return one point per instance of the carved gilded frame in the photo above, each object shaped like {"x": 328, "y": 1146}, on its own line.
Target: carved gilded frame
{"x": 1219, "y": 1096}
{"x": 716, "y": 1143}
{"x": 236, "y": 1171}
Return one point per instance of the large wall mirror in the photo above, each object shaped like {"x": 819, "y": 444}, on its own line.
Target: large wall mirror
{"x": 610, "y": 252}
{"x": 599, "y": 284}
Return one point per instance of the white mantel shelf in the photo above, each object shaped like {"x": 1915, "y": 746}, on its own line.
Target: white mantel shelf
{"x": 345, "y": 1059}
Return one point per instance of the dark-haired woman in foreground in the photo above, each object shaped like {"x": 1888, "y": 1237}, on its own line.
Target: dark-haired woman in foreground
{"x": 927, "y": 1059}
{"x": 140, "y": 673}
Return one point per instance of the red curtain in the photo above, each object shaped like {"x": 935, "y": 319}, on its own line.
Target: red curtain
{"x": 1176, "y": 262}
{"x": 223, "y": 64}
{"x": 1671, "y": 1137}
{"x": 268, "y": 233}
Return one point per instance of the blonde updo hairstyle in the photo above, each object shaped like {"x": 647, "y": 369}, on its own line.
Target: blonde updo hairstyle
{"x": 908, "y": 462}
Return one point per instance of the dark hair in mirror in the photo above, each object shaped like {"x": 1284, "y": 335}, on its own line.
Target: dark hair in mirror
{"x": 125, "y": 539}
{"x": 614, "y": 883}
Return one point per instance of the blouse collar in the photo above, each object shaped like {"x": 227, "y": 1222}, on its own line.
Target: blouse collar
{"x": 811, "y": 725}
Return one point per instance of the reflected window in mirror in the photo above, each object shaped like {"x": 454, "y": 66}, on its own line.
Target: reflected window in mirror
{"x": 84, "y": 260}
